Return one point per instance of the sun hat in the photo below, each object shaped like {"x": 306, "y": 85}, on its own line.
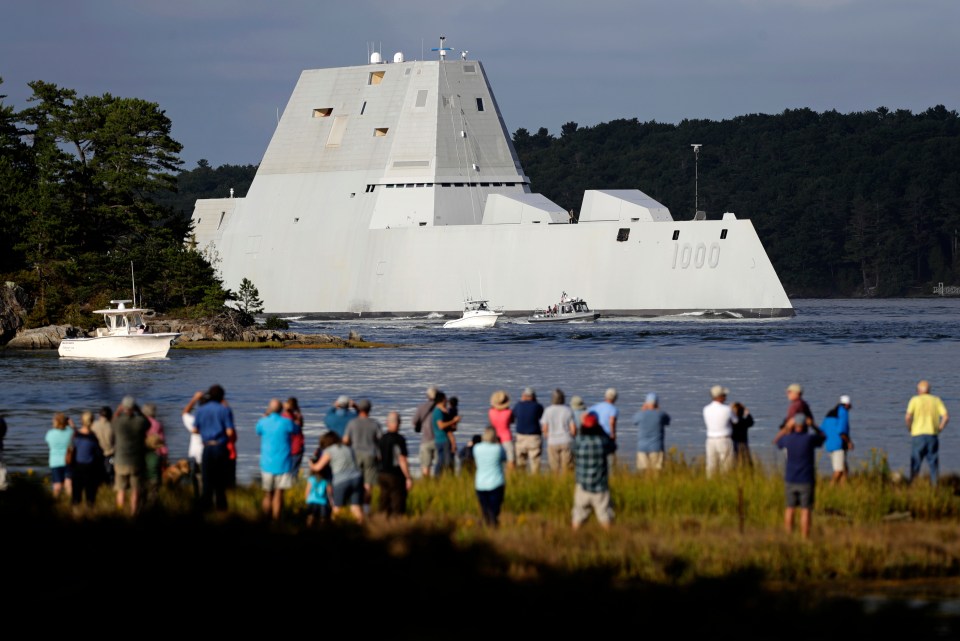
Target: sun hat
{"x": 576, "y": 403}
{"x": 499, "y": 400}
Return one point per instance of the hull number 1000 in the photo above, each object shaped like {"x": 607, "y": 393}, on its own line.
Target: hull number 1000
{"x": 686, "y": 255}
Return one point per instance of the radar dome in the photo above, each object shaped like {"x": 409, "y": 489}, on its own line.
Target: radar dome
{"x": 376, "y": 58}
{"x": 398, "y": 57}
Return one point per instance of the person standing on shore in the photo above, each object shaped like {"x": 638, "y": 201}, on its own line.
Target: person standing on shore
{"x": 195, "y": 448}
{"x": 59, "y": 439}
{"x": 799, "y": 438}
{"x": 276, "y": 462}
{"x": 489, "y": 481}
{"x": 395, "y": 480}
{"x": 836, "y": 429}
{"x": 363, "y": 435}
{"x": 422, "y": 425}
{"x": 527, "y": 414}
{"x": 797, "y": 404}
{"x": 650, "y": 422}
{"x": 104, "y": 432}
{"x": 291, "y": 410}
{"x": 214, "y": 422}
{"x": 591, "y": 450}
{"x": 719, "y": 419}
{"x": 442, "y": 423}
{"x": 608, "y": 413}
{"x": 347, "y": 480}
{"x": 130, "y": 428}
{"x": 87, "y": 464}
{"x": 741, "y": 441}
{"x": 559, "y": 429}
{"x": 926, "y": 417}
{"x": 501, "y": 416}
{"x": 156, "y": 452}
{"x": 340, "y": 415}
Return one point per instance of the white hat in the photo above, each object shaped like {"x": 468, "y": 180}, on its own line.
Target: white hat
{"x": 845, "y": 400}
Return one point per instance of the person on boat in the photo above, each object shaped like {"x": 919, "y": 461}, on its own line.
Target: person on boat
{"x": 422, "y": 426}
{"x": 559, "y": 428}
{"x": 501, "y": 416}
{"x": 394, "y": 477}
{"x": 214, "y": 422}
{"x": 527, "y": 414}
{"x": 59, "y": 439}
{"x": 104, "y": 432}
{"x": 650, "y": 422}
{"x": 926, "y": 417}
{"x": 130, "y": 428}
{"x": 489, "y": 480}
{"x": 347, "y": 479}
{"x": 276, "y": 462}
{"x": 87, "y": 464}
{"x": 836, "y": 427}
{"x": 363, "y": 434}
{"x": 338, "y": 416}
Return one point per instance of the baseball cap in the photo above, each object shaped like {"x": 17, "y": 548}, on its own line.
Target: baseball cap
{"x": 652, "y": 398}
{"x": 795, "y": 387}
{"x": 342, "y": 401}
{"x": 589, "y": 420}
{"x": 845, "y": 400}
{"x": 719, "y": 390}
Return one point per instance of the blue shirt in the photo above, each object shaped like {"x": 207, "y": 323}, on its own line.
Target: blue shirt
{"x": 59, "y": 441}
{"x": 650, "y": 424}
{"x": 318, "y": 490}
{"x": 489, "y": 458}
{"x": 86, "y": 449}
{"x": 274, "y": 432}
{"x": 800, "y": 448}
{"x": 439, "y": 436}
{"x": 337, "y": 418}
{"x": 527, "y": 415}
{"x": 605, "y": 411}
{"x": 212, "y": 421}
{"x": 833, "y": 427}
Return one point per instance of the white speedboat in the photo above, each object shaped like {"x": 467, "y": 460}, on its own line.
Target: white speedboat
{"x": 476, "y": 313}
{"x": 568, "y": 310}
{"x": 125, "y": 336}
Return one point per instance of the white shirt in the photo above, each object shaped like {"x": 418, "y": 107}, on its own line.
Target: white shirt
{"x": 195, "y": 451}
{"x": 719, "y": 420}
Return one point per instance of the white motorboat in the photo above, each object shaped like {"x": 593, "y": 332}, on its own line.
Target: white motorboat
{"x": 476, "y": 313}
{"x": 125, "y": 336}
{"x": 568, "y": 310}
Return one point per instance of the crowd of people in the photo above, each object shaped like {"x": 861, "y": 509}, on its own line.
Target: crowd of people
{"x": 127, "y": 448}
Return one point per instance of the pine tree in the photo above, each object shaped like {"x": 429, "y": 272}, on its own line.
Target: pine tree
{"x": 248, "y": 297}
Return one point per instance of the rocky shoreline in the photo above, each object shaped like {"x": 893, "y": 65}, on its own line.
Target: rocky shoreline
{"x": 222, "y": 328}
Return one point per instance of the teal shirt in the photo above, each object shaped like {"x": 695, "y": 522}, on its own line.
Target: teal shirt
{"x": 439, "y": 436}
{"x": 318, "y": 491}
{"x": 489, "y": 458}
{"x": 59, "y": 441}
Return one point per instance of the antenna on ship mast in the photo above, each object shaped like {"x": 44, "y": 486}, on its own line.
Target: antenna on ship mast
{"x": 443, "y": 50}
{"x": 133, "y": 284}
{"x": 696, "y": 178}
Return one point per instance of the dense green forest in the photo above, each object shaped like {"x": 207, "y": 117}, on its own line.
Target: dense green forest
{"x": 846, "y": 204}
{"x": 79, "y": 177}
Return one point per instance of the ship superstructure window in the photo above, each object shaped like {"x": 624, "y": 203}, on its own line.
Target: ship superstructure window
{"x": 676, "y": 234}
{"x": 623, "y": 234}
{"x": 723, "y": 234}
{"x": 376, "y": 77}
{"x": 422, "y": 98}
{"x": 469, "y": 68}
{"x": 323, "y": 112}
{"x": 363, "y": 107}
{"x": 446, "y": 101}
{"x": 370, "y": 188}
{"x": 479, "y": 104}
{"x": 336, "y": 131}
{"x": 379, "y": 132}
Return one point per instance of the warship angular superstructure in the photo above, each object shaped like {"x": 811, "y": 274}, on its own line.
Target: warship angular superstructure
{"x": 388, "y": 188}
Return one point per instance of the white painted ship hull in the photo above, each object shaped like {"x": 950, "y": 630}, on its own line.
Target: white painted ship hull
{"x": 133, "y": 346}
{"x": 473, "y": 321}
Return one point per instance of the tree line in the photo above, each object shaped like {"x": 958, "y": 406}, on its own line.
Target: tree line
{"x": 80, "y": 185}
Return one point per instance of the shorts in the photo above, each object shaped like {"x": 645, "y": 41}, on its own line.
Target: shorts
{"x": 273, "y": 482}
{"x": 59, "y": 474}
{"x": 127, "y": 477}
{"x": 428, "y": 455}
{"x": 319, "y": 510}
{"x": 598, "y": 502}
{"x": 839, "y": 460}
{"x": 348, "y": 492}
{"x": 799, "y": 495}
{"x": 511, "y": 449}
{"x": 649, "y": 461}
{"x": 368, "y": 468}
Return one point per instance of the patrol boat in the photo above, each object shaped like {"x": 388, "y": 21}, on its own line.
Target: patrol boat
{"x": 387, "y": 184}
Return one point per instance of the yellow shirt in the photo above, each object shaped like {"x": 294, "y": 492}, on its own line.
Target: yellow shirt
{"x": 926, "y": 410}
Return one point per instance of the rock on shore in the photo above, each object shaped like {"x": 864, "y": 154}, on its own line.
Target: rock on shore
{"x": 48, "y": 337}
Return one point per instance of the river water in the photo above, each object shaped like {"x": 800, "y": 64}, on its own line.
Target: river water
{"x": 874, "y": 351}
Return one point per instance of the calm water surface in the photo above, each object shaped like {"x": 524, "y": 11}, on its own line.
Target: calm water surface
{"x": 873, "y": 350}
